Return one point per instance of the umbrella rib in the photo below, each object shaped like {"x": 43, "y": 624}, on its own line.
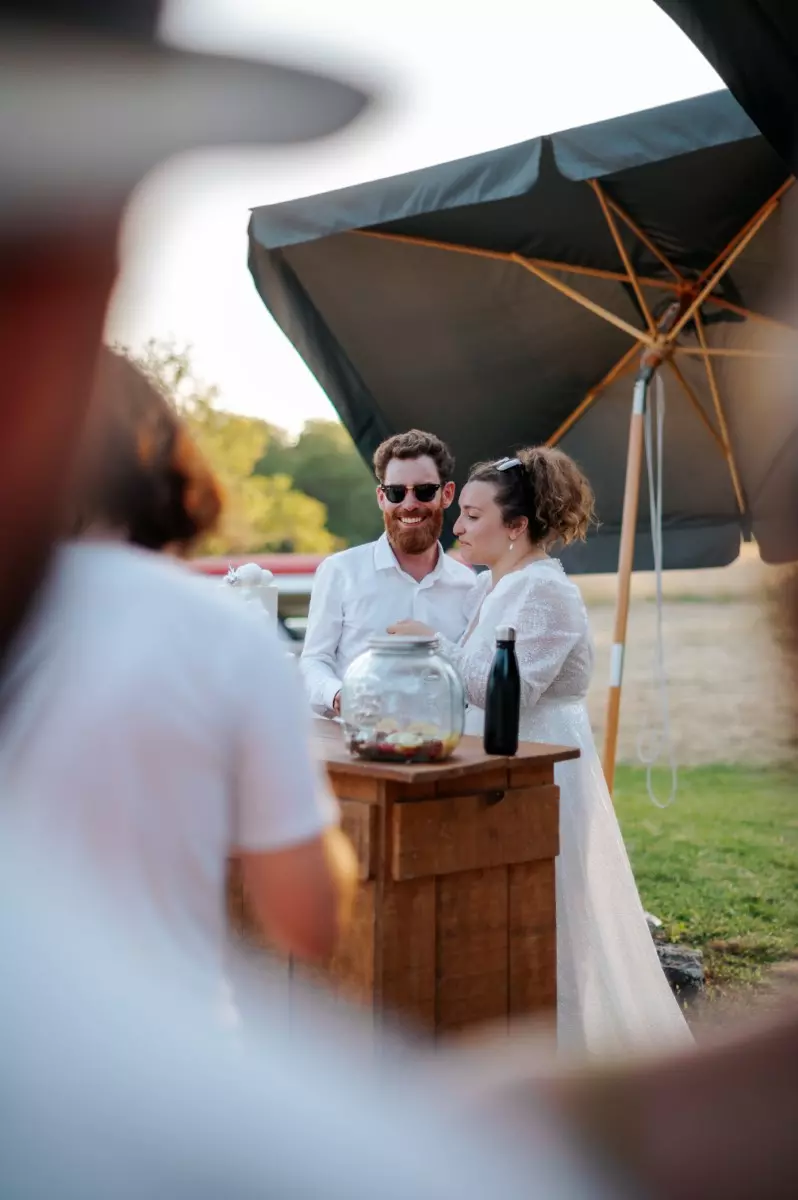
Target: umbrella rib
{"x": 749, "y": 315}
{"x": 722, "y": 425}
{"x": 697, "y": 405}
{"x": 614, "y": 373}
{"x": 549, "y": 264}
{"x": 755, "y": 222}
{"x": 714, "y": 273}
{"x": 625, "y": 259}
{"x": 729, "y": 352}
{"x": 541, "y": 267}
{"x": 644, "y": 238}
{"x": 638, "y": 334}
{"x": 506, "y": 256}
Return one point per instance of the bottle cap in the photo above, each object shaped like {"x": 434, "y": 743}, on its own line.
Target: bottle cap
{"x": 505, "y": 633}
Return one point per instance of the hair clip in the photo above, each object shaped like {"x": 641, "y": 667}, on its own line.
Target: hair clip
{"x": 506, "y": 464}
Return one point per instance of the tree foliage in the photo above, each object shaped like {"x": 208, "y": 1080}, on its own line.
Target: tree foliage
{"x": 323, "y": 463}
{"x": 263, "y": 513}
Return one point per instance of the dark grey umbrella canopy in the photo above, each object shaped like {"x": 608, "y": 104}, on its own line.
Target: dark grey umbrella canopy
{"x": 753, "y": 46}
{"x": 419, "y": 326}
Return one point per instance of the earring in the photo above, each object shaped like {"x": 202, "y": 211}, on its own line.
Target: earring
{"x": 512, "y": 544}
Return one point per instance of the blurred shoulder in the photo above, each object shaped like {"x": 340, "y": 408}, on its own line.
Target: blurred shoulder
{"x": 110, "y": 585}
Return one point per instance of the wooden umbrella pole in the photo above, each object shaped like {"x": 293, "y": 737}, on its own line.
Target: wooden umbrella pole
{"x": 651, "y": 360}
{"x": 631, "y": 495}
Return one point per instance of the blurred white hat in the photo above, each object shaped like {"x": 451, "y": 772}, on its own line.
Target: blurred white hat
{"x": 90, "y": 100}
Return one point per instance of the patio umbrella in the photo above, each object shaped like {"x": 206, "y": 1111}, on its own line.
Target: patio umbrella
{"x": 521, "y": 296}
{"x": 753, "y": 46}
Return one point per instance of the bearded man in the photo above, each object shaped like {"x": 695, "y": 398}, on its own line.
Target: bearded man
{"x": 405, "y": 575}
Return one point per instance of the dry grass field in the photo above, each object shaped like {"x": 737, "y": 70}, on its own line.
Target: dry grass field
{"x": 729, "y": 691}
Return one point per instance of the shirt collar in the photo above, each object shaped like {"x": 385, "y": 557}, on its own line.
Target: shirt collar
{"x": 385, "y": 560}
{"x": 384, "y": 557}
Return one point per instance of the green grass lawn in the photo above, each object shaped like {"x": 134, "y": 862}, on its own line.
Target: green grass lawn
{"x": 720, "y": 866}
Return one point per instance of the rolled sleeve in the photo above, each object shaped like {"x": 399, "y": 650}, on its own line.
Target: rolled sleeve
{"x": 322, "y": 639}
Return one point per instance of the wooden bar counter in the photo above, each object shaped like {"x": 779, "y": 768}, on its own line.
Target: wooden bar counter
{"x": 454, "y": 922}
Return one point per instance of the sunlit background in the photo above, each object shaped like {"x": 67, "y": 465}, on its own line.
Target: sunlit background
{"x": 455, "y": 84}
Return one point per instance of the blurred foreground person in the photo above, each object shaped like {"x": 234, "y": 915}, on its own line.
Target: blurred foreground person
{"x": 116, "y": 1085}
{"x": 92, "y": 101}
{"x": 141, "y": 479}
{"x": 123, "y": 665}
{"x": 164, "y": 730}
{"x": 116, "y": 1082}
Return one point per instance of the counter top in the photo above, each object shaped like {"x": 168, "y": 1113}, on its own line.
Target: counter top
{"x": 469, "y": 758}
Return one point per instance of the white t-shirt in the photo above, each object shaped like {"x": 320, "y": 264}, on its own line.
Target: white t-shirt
{"x": 116, "y": 1084}
{"x": 151, "y": 728}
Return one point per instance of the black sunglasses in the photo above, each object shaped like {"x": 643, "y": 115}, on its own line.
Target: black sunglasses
{"x": 395, "y": 493}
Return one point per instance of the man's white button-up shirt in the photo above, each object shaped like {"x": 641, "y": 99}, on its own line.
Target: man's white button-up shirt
{"x": 359, "y": 593}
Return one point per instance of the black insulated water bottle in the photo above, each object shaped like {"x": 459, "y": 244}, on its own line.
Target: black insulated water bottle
{"x": 503, "y": 702}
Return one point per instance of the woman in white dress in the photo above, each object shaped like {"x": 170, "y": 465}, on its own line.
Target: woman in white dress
{"x": 612, "y": 993}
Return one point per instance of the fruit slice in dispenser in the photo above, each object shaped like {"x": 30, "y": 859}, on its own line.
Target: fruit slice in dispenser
{"x": 385, "y": 728}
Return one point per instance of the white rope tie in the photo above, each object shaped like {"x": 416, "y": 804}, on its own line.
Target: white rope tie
{"x": 653, "y": 745}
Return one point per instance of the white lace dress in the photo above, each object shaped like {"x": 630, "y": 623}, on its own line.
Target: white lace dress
{"x": 612, "y": 993}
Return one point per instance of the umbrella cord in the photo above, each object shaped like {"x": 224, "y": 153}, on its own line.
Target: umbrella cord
{"x": 653, "y": 745}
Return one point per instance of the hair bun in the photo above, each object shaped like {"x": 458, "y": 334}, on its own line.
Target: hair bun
{"x": 550, "y": 492}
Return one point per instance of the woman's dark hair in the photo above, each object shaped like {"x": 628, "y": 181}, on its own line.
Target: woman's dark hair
{"x": 548, "y": 488}
{"x": 146, "y": 478}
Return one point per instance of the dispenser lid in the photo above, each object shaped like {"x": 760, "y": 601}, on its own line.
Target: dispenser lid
{"x": 505, "y": 633}
{"x": 402, "y": 641}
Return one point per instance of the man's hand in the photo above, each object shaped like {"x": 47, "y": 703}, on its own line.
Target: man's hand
{"x": 411, "y": 629}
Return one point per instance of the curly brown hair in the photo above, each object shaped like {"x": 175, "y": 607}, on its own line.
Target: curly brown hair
{"x": 145, "y": 477}
{"x": 548, "y": 488}
{"x": 415, "y": 443}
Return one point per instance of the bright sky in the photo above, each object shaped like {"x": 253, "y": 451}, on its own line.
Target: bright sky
{"x": 465, "y": 76}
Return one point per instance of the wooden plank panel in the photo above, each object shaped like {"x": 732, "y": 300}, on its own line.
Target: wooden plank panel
{"x": 489, "y": 779}
{"x": 472, "y": 949}
{"x": 405, "y": 954}
{"x": 348, "y": 786}
{"x": 531, "y": 774}
{"x": 359, "y": 823}
{"x": 239, "y": 916}
{"x": 465, "y": 833}
{"x": 532, "y": 939}
{"x": 351, "y": 971}
{"x": 404, "y": 793}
